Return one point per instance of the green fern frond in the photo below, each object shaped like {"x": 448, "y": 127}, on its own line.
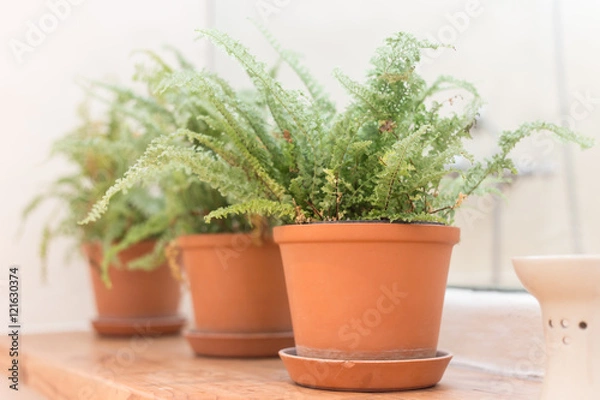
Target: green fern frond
{"x": 148, "y": 262}
{"x": 157, "y": 59}
{"x": 181, "y": 59}
{"x": 509, "y": 139}
{"x": 362, "y": 93}
{"x": 315, "y": 89}
{"x": 255, "y": 206}
{"x": 256, "y": 157}
{"x": 397, "y": 164}
{"x": 137, "y": 233}
{"x": 286, "y": 108}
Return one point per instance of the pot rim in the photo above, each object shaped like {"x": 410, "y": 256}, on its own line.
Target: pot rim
{"x": 558, "y": 257}
{"x": 198, "y": 240}
{"x": 366, "y": 231}
{"x": 372, "y": 221}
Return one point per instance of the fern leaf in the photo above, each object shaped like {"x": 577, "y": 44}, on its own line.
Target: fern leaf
{"x": 396, "y": 165}
{"x": 255, "y": 206}
{"x": 315, "y": 89}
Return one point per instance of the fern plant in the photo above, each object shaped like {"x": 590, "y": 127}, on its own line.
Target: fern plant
{"x": 99, "y": 151}
{"x": 172, "y": 203}
{"x": 390, "y": 155}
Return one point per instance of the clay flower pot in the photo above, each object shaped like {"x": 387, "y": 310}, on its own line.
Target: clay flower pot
{"x": 139, "y": 302}
{"x": 238, "y": 294}
{"x": 568, "y": 290}
{"x": 366, "y": 291}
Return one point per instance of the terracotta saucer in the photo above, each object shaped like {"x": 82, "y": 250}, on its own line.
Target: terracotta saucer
{"x": 265, "y": 344}
{"x": 153, "y": 326}
{"x": 365, "y": 375}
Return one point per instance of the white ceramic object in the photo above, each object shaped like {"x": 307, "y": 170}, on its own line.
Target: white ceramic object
{"x": 568, "y": 290}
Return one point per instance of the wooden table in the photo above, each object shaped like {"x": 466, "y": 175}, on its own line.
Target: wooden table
{"x": 83, "y": 366}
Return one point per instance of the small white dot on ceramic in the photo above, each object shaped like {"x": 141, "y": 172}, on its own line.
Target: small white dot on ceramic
{"x": 566, "y": 340}
{"x": 564, "y": 323}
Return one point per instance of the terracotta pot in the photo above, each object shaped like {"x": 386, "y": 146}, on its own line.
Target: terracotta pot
{"x": 366, "y": 291}
{"x": 238, "y": 294}
{"x": 135, "y": 296}
{"x": 568, "y": 290}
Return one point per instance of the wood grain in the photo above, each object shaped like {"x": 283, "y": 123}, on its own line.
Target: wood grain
{"x": 83, "y": 366}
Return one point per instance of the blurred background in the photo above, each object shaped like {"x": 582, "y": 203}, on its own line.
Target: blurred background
{"x": 529, "y": 59}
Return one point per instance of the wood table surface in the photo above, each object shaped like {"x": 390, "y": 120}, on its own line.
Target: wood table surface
{"x": 83, "y": 366}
